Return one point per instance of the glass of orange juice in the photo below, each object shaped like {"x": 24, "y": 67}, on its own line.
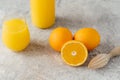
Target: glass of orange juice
{"x": 15, "y": 33}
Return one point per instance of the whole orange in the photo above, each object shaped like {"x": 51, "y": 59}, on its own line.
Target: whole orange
{"x": 58, "y": 37}
{"x": 89, "y": 37}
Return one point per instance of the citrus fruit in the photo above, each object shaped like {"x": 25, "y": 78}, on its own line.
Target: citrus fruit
{"x": 58, "y": 37}
{"x": 89, "y": 37}
{"x": 74, "y": 53}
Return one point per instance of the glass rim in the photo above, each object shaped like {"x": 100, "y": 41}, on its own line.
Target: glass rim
{"x": 25, "y": 25}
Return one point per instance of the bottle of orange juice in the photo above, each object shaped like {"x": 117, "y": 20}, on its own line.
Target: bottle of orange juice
{"x": 43, "y": 13}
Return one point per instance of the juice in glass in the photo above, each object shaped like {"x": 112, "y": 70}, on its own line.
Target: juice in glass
{"x": 43, "y": 13}
{"x": 15, "y": 34}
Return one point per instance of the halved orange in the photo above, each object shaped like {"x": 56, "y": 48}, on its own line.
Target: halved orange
{"x": 74, "y": 53}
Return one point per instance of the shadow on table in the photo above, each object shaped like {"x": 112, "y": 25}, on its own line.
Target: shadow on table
{"x": 68, "y": 22}
{"x": 104, "y": 47}
{"x": 35, "y": 48}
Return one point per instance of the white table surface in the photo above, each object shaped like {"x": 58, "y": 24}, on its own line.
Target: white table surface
{"x": 40, "y": 62}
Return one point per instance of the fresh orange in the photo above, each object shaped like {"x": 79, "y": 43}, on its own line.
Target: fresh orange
{"x": 89, "y": 37}
{"x": 58, "y": 37}
{"x": 74, "y": 53}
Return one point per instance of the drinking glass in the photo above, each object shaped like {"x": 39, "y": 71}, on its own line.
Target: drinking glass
{"x": 15, "y": 33}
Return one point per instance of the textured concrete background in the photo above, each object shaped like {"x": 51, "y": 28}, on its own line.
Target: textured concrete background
{"x": 40, "y": 62}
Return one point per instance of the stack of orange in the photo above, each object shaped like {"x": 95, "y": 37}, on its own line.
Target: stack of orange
{"x": 74, "y": 49}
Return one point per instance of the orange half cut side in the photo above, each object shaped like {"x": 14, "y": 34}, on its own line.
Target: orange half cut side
{"x": 74, "y": 53}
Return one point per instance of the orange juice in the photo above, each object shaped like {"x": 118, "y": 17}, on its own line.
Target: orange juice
{"x": 43, "y": 13}
{"x": 15, "y": 34}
